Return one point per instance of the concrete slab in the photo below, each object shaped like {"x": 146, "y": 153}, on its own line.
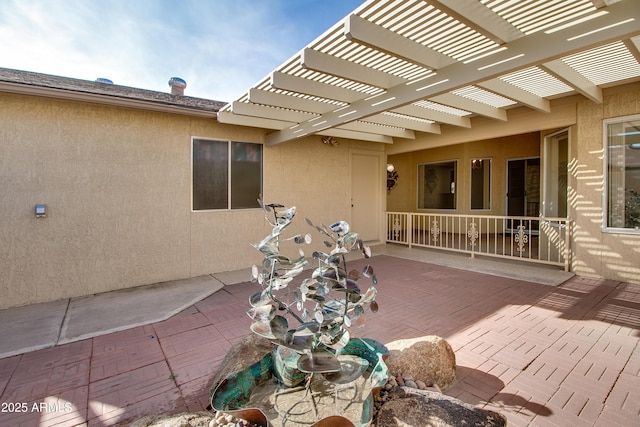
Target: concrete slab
{"x": 234, "y": 277}
{"x": 123, "y": 309}
{"x": 32, "y": 327}
{"x": 39, "y": 326}
{"x": 536, "y": 273}
{"x": 520, "y": 270}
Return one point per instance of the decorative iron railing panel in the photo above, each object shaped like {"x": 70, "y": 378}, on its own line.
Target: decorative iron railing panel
{"x": 535, "y": 239}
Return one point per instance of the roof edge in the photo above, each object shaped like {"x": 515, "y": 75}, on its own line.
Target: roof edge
{"x": 69, "y": 95}
{"x": 36, "y": 84}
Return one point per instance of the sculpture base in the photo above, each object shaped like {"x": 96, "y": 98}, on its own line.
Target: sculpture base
{"x": 316, "y": 399}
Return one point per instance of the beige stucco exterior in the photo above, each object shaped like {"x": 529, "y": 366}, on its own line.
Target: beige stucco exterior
{"x": 117, "y": 185}
{"x": 498, "y": 150}
{"x": 595, "y": 253}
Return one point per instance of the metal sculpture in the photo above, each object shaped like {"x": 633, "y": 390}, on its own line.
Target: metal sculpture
{"x": 316, "y": 360}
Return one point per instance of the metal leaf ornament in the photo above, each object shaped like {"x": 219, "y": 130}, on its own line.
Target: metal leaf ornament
{"x": 325, "y": 305}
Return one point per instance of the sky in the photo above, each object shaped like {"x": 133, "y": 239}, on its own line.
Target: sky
{"x": 220, "y": 47}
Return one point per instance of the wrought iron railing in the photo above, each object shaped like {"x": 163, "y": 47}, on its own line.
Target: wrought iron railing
{"x": 535, "y": 239}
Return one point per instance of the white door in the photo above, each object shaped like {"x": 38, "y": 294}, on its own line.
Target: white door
{"x": 366, "y": 195}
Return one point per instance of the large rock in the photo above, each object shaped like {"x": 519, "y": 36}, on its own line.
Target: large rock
{"x": 429, "y": 359}
{"x": 418, "y": 408}
{"x": 241, "y": 355}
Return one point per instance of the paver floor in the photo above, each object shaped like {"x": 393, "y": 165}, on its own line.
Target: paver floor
{"x": 543, "y": 356}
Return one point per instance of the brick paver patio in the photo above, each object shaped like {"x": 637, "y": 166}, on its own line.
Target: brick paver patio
{"x": 544, "y": 356}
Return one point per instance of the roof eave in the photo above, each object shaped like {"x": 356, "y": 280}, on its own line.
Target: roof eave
{"x": 71, "y": 95}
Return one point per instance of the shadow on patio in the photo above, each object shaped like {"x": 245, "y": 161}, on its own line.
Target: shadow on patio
{"x": 542, "y": 355}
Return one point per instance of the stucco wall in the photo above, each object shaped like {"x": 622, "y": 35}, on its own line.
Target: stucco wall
{"x": 403, "y": 197}
{"x": 597, "y": 253}
{"x": 594, "y": 253}
{"x": 316, "y": 178}
{"x": 117, "y": 184}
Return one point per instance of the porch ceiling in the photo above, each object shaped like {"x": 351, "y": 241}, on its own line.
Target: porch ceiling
{"x": 393, "y": 68}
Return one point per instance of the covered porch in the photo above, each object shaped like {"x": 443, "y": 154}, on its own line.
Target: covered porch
{"x": 483, "y": 109}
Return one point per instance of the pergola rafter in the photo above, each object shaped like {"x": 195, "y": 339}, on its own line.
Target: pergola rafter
{"x": 394, "y": 69}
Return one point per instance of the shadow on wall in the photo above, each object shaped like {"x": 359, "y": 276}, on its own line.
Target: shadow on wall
{"x": 620, "y": 263}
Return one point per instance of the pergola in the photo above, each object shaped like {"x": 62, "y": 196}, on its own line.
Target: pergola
{"x": 395, "y": 68}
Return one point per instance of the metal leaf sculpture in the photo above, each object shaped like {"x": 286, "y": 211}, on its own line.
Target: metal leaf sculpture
{"x": 326, "y": 304}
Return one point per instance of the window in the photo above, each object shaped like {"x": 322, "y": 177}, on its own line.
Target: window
{"x": 226, "y": 174}
{"x": 437, "y": 185}
{"x": 481, "y": 184}
{"x": 622, "y": 164}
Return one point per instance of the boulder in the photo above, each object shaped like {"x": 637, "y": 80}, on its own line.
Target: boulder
{"x": 241, "y": 355}
{"x": 429, "y": 359}
{"x": 410, "y": 407}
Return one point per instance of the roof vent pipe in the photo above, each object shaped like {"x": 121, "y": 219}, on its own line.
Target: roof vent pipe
{"x": 177, "y": 85}
{"x": 104, "y": 80}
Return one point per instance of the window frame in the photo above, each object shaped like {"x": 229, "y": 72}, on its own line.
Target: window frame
{"x": 229, "y": 189}
{"x": 605, "y": 173}
{"x": 455, "y": 188}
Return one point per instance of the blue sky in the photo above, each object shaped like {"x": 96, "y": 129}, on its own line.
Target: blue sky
{"x": 220, "y": 47}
